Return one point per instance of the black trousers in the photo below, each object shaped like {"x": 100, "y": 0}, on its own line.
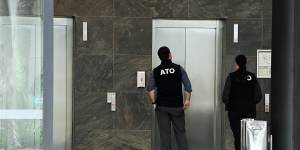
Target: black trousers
{"x": 175, "y": 116}
{"x": 235, "y": 124}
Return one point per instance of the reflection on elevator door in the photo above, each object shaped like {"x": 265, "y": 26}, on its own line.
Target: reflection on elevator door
{"x": 21, "y": 125}
{"x": 196, "y": 46}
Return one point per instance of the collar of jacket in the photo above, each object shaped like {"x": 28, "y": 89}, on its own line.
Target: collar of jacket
{"x": 166, "y": 62}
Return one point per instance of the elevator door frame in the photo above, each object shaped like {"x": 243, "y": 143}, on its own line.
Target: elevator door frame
{"x": 218, "y": 111}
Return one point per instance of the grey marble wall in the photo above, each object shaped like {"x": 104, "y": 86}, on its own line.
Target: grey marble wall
{"x": 107, "y": 62}
{"x": 119, "y": 44}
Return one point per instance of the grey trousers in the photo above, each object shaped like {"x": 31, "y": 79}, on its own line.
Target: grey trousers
{"x": 175, "y": 116}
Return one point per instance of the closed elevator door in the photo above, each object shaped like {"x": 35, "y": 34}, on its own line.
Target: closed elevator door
{"x": 21, "y": 97}
{"x": 194, "y": 46}
{"x": 62, "y": 83}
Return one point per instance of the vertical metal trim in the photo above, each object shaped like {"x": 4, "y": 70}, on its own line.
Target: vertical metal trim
{"x": 185, "y": 32}
{"x": 47, "y": 18}
{"x": 153, "y": 134}
{"x": 215, "y": 89}
{"x": 69, "y": 25}
{"x": 218, "y": 117}
{"x": 271, "y": 142}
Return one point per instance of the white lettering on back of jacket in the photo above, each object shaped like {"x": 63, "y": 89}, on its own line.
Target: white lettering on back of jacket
{"x": 167, "y": 71}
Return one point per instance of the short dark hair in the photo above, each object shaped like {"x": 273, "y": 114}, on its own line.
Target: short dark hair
{"x": 163, "y": 53}
{"x": 241, "y": 60}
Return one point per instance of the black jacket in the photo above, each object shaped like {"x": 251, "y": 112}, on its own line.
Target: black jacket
{"x": 241, "y": 92}
{"x": 168, "y": 80}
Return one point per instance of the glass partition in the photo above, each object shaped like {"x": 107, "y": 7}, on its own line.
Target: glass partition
{"x": 21, "y": 75}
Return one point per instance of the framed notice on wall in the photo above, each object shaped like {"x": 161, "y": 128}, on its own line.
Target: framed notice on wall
{"x": 264, "y": 63}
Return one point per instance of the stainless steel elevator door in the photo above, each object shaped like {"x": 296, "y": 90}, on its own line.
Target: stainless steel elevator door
{"x": 62, "y": 84}
{"x": 60, "y": 87}
{"x": 193, "y": 45}
{"x": 174, "y": 38}
{"x": 21, "y": 123}
{"x": 200, "y": 66}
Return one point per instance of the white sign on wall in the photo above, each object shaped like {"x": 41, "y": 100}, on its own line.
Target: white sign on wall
{"x": 264, "y": 63}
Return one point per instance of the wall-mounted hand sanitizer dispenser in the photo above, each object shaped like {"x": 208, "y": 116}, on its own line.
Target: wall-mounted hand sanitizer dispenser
{"x": 141, "y": 79}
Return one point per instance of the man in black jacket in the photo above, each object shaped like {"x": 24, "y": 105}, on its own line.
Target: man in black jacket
{"x": 241, "y": 94}
{"x": 165, "y": 92}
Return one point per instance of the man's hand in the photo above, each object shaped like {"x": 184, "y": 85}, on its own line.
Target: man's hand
{"x": 186, "y": 104}
{"x": 152, "y": 98}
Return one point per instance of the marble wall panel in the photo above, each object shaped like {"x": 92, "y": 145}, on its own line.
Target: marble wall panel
{"x": 93, "y": 73}
{"x": 133, "y": 36}
{"x": 132, "y": 140}
{"x": 94, "y": 140}
{"x": 133, "y": 112}
{"x": 151, "y": 8}
{"x": 241, "y": 9}
{"x": 206, "y": 9}
{"x": 125, "y": 71}
{"x": 267, "y": 34}
{"x": 250, "y": 37}
{"x": 267, "y": 9}
{"x": 91, "y": 111}
{"x": 97, "y": 8}
{"x": 99, "y": 35}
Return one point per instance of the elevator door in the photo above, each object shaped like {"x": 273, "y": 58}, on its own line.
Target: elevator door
{"x": 195, "y": 47}
{"x": 62, "y": 83}
{"x": 200, "y": 65}
{"x": 21, "y": 96}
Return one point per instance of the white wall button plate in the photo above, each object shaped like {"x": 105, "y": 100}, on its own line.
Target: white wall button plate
{"x": 141, "y": 77}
